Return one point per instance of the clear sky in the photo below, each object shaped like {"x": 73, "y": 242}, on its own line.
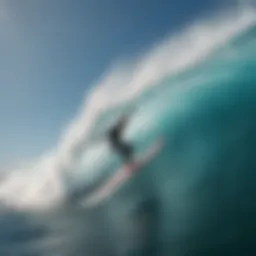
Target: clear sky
{"x": 51, "y": 51}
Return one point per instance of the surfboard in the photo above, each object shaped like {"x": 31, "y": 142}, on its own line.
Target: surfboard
{"x": 125, "y": 173}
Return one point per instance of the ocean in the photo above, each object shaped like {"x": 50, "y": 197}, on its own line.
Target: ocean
{"x": 197, "y": 90}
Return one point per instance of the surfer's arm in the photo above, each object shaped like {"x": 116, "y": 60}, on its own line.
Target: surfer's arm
{"x": 104, "y": 136}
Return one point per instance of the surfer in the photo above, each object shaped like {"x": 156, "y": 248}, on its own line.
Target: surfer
{"x": 123, "y": 148}
{"x": 131, "y": 165}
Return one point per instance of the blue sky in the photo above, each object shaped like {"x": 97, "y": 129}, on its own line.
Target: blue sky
{"x": 52, "y": 51}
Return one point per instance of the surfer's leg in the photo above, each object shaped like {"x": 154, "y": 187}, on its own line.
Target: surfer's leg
{"x": 126, "y": 152}
{"x": 124, "y": 149}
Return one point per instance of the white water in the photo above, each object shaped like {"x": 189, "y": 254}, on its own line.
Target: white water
{"x": 41, "y": 184}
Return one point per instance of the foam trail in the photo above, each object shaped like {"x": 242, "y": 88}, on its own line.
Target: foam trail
{"x": 41, "y": 183}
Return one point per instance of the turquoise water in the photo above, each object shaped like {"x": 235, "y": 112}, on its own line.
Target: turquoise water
{"x": 201, "y": 189}
{"x": 196, "y": 198}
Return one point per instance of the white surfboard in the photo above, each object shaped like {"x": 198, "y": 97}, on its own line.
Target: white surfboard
{"x": 124, "y": 174}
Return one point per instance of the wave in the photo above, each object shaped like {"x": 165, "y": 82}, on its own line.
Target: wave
{"x": 44, "y": 182}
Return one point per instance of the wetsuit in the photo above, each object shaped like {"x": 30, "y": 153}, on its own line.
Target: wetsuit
{"x": 124, "y": 149}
